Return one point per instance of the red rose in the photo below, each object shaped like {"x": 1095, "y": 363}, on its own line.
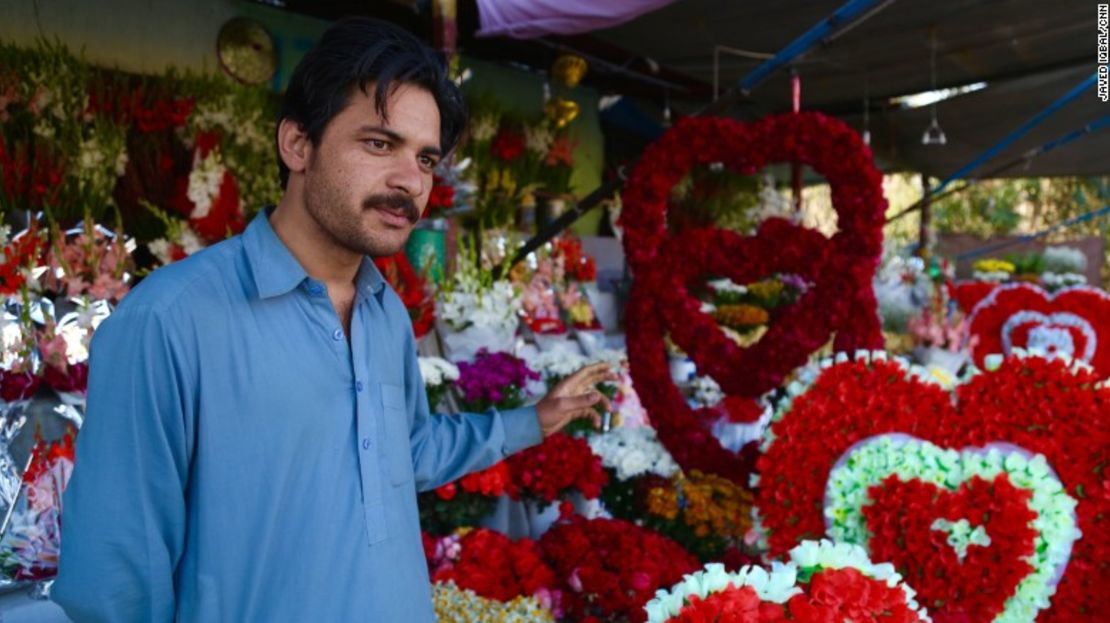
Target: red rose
{"x": 507, "y": 145}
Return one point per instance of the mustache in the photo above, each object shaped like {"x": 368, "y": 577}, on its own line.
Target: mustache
{"x": 396, "y": 201}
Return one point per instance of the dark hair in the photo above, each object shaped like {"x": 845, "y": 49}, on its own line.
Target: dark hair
{"x": 355, "y": 52}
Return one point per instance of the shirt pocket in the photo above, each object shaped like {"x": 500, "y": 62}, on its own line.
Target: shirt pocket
{"x": 398, "y": 444}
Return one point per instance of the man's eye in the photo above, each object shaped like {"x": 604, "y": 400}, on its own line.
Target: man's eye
{"x": 428, "y": 162}
{"x": 377, "y": 144}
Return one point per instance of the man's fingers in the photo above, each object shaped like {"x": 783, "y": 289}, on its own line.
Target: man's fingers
{"x": 581, "y": 401}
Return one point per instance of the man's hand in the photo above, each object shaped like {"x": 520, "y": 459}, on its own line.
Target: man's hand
{"x": 574, "y": 398}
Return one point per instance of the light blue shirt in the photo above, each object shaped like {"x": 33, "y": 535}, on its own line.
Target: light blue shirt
{"x": 241, "y": 462}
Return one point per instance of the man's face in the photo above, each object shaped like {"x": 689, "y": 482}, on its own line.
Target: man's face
{"x": 368, "y": 180}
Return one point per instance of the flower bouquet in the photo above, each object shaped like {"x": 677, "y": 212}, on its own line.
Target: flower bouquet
{"x": 31, "y": 540}
{"x": 608, "y": 569}
{"x": 474, "y": 310}
{"x": 495, "y": 567}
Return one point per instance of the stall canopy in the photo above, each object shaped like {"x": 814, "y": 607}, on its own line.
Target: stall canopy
{"x": 1027, "y": 52}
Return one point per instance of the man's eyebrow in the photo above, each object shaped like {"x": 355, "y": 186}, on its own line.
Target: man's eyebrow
{"x": 397, "y": 138}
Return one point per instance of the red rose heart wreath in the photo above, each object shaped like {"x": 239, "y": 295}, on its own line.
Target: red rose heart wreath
{"x": 1074, "y": 321}
{"x": 993, "y": 506}
{"x": 822, "y": 582}
{"x": 840, "y": 270}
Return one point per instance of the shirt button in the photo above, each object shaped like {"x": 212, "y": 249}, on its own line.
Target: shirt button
{"x": 365, "y": 443}
{"x": 358, "y": 385}
{"x": 337, "y": 334}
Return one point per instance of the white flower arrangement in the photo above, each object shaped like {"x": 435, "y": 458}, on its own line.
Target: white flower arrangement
{"x": 780, "y": 583}
{"x": 902, "y": 289}
{"x": 556, "y": 363}
{"x": 538, "y": 139}
{"x": 494, "y": 307}
{"x": 870, "y": 462}
{"x": 632, "y": 452}
{"x": 437, "y": 371}
{"x": 1064, "y": 260}
{"x": 204, "y": 182}
{"x": 1056, "y": 281}
{"x": 184, "y": 237}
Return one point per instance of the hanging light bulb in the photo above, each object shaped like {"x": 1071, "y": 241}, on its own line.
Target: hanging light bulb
{"x": 666, "y": 109}
{"x": 933, "y": 134}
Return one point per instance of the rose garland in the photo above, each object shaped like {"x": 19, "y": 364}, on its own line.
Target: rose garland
{"x": 822, "y": 582}
{"x": 1044, "y": 406}
{"x": 989, "y": 499}
{"x": 1074, "y": 321}
{"x": 841, "y": 269}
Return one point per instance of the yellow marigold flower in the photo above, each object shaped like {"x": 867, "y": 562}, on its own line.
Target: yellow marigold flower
{"x": 993, "y": 265}
{"x": 741, "y": 315}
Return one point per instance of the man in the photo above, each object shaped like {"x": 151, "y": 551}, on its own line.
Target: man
{"x": 257, "y": 426}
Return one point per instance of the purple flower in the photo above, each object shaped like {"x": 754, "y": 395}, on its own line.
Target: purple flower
{"x": 493, "y": 380}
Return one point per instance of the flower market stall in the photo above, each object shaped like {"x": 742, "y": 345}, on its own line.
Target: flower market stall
{"x": 813, "y": 418}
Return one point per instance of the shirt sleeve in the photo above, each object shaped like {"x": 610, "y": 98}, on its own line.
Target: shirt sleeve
{"x": 124, "y": 508}
{"x": 447, "y": 447}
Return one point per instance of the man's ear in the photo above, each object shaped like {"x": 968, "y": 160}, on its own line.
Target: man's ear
{"x": 293, "y": 145}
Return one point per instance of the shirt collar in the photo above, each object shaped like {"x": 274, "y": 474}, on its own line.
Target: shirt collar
{"x": 369, "y": 279}
{"x": 277, "y": 272}
{"x": 274, "y": 268}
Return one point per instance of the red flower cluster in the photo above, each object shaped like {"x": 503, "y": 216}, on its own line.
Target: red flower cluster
{"x": 977, "y": 587}
{"x": 225, "y": 215}
{"x": 578, "y": 265}
{"x": 967, "y": 294}
{"x": 44, "y": 455}
{"x": 161, "y": 114}
{"x": 490, "y": 482}
{"x": 507, "y": 145}
{"x": 412, "y": 288}
{"x": 441, "y": 198}
{"x": 493, "y": 566}
{"x": 610, "y": 568}
{"x": 70, "y": 378}
{"x": 554, "y": 468}
{"x": 19, "y": 254}
{"x": 32, "y": 175}
{"x": 830, "y": 595}
{"x": 1040, "y": 405}
{"x": 665, "y": 268}
{"x": 16, "y": 385}
{"x": 991, "y": 320}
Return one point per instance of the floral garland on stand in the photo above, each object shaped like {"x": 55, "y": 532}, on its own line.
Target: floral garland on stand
{"x": 840, "y": 269}
{"x": 1074, "y": 322}
{"x": 821, "y": 582}
{"x": 921, "y": 501}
